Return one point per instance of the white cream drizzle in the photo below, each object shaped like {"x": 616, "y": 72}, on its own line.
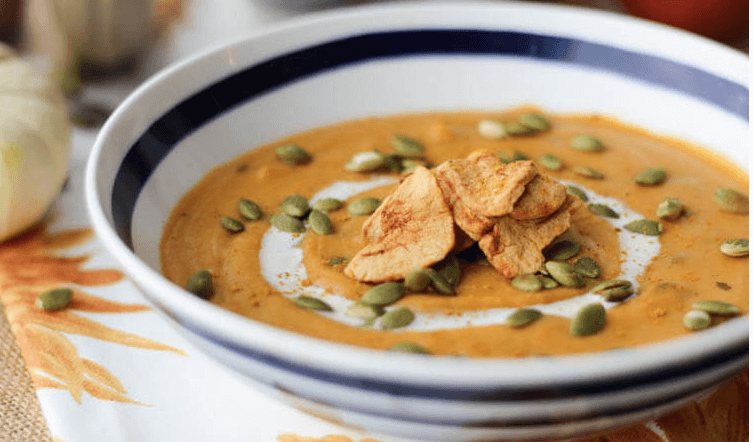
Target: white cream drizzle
{"x": 281, "y": 259}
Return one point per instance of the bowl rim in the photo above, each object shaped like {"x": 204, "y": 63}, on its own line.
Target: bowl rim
{"x": 347, "y": 360}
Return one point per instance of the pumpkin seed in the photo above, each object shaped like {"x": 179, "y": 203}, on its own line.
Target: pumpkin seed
{"x": 610, "y": 284}
{"x": 249, "y": 209}
{"x": 696, "y": 320}
{"x": 312, "y": 303}
{"x": 519, "y": 156}
{"x": 491, "y": 129}
{"x": 393, "y": 163}
{"x": 337, "y": 260}
{"x": 617, "y": 294}
{"x": 603, "y": 210}
{"x": 365, "y": 311}
{"x": 548, "y": 283}
{"x": 409, "y": 347}
{"x": 320, "y": 223}
{"x": 406, "y": 147}
{"x": 408, "y": 165}
{"x": 716, "y": 308}
{"x": 417, "y": 279}
{"x": 587, "y": 143}
{"x": 523, "y": 317}
{"x": 534, "y": 121}
{"x": 232, "y": 225}
{"x": 669, "y": 208}
{"x": 517, "y": 129}
{"x": 587, "y": 266}
{"x": 588, "y": 172}
{"x": 449, "y": 268}
{"x": 200, "y": 284}
{"x": 383, "y": 294}
{"x": 287, "y": 223}
{"x": 327, "y": 204}
{"x": 575, "y": 191}
{"x": 292, "y": 154}
{"x": 731, "y": 200}
{"x": 735, "y": 247}
{"x": 564, "y": 274}
{"x": 527, "y": 282}
{"x": 398, "y": 317}
{"x": 651, "y": 177}
{"x": 54, "y": 299}
{"x": 562, "y": 250}
{"x": 364, "y": 206}
{"x": 644, "y": 227}
{"x": 551, "y": 162}
{"x": 295, "y": 205}
{"x": 365, "y": 161}
{"x": 439, "y": 283}
{"x": 589, "y": 320}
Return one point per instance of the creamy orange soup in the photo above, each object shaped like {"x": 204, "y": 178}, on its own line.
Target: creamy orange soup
{"x": 688, "y": 267}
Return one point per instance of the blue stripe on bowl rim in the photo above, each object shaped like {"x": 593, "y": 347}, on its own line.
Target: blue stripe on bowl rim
{"x": 244, "y": 86}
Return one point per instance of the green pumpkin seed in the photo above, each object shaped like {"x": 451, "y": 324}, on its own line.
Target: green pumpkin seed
{"x": 616, "y": 294}
{"x": 735, "y": 247}
{"x": 610, "y": 284}
{"x": 534, "y": 121}
{"x": 439, "y": 283}
{"x": 731, "y": 200}
{"x": 491, "y": 129}
{"x": 295, "y": 205}
{"x": 200, "y": 284}
{"x": 320, "y": 223}
{"x": 603, "y": 210}
{"x": 588, "y": 321}
{"x": 327, "y": 204}
{"x": 587, "y": 266}
{"x": 575, "y": 191}
{"x": 337, "y": 260}
{"x": 417, "y": 279}
{"x": 396, "y": 318}
{"x": 383, "y": 294}
{"x": 312, "y": 303}
{"x": 406, "y": 147}
{"x": 409, "y": 347}
{"x": 449, "y": 268}
{"x": 393, "y": 163}
{"x": 517, "y": 129}
{"x": 527, "y": 282}
{"x": 644, "y": 227}
{"x": 287, "y": 223}
{"x": 716, "y": 308}
{"x": 564, "y": 274}
{"x": 232, "y": 225}
{"x": 365, "y": 311}
{"x": 651, "y": 177}
{"x": 408, "y": 165}
{"x": 54, "y": 299}
{"x": 519, "y": 156}
{"x": 696, "y": 320}
{"x": 588, "y": 172}
{"x": 523, "y": 317}
{"x": 562, "y": 250}
{"x": 551, "y": 162}
{"x": 587, "y": 143}
{"x": 249, "y": 210}
{"x": 365, "y": 162}
{"x": 669, "y": 209}
{"x": 364, "y": 206}
{"x": 292, "y": 154}
{"x": 548, "y": 283}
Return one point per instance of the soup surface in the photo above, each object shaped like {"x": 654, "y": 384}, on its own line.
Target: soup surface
{"x": 259, "y": 271}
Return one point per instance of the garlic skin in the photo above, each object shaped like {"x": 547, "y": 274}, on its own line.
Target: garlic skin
{"x": 34, "y": 143}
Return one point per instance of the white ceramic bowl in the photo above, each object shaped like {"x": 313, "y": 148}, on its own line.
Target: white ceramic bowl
{"x": 400, "y": 58}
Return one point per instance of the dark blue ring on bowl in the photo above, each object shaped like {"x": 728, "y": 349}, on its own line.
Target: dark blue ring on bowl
{"x": 189, "y": 115}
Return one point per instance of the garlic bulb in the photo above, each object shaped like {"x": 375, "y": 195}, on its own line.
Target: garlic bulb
{"x": 34, "y": 143}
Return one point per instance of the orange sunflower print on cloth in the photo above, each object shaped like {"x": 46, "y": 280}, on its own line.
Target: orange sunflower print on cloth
{"x": 32, "y": 264}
